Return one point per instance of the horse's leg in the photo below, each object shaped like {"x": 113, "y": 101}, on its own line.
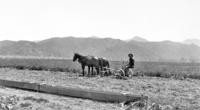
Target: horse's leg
{"x": 83, "y": 68}
{"x": 109, "y": 72}
{"x": 88, "y": 70}
{"x": 97, "y": 69}
{"x": 92, "y": 71}
{"x": 101, "y": 69}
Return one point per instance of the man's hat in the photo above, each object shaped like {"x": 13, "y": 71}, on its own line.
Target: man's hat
{"x": 130, "y": 55}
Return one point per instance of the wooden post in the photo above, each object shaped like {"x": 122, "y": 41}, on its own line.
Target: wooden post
{"x": 102, "y": 96}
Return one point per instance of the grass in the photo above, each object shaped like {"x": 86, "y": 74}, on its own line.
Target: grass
{"x": 153, "y": 69}
{"x": 61, "y": 65}
{"x": 25, "y": 105}
{"x": 164, "y": 91}
{"x": 165, "y": 69}
{"x": 38, "y": 100}
{"x": 183, "y": 94}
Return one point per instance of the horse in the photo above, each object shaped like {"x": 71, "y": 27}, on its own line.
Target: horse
{"x": 89, "y": 61}
{"x": 104, "y": 63}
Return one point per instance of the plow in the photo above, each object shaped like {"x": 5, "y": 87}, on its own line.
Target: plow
{"x": 120, "y": 73}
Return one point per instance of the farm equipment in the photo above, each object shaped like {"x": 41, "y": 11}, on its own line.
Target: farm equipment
{"x": 120, "y": 73}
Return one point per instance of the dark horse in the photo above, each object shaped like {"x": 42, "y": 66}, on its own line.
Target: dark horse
{"x": 89, "y": 61}
{"x": 104, "y": 63}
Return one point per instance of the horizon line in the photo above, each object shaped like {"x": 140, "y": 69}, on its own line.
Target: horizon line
{"x": 97, "y": 37}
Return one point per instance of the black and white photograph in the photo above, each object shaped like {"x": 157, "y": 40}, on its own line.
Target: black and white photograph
{"x": 99, "y": 54}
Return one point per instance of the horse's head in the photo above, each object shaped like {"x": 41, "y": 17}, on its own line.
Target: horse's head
{"x": 75, "y": 57}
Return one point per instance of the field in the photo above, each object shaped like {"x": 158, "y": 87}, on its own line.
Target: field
{"x": 155, "y": 69}
{"x": 182, "y": 94}
{"x": 171, "y": 84}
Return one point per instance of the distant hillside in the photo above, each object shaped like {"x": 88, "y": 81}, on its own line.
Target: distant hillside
{"x": 193, "y": 41}
{"x": 113, "y": 49}
{"x": 139, "y": 39}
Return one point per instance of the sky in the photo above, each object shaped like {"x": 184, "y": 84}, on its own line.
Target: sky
{"x": 154, "y": 20}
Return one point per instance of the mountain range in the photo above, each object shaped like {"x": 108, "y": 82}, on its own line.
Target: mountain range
{"x": 112, "y": 49}
{"x": 192, "y": 41}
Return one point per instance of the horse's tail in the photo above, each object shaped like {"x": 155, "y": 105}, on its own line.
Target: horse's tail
{"x": 108, "y": 65}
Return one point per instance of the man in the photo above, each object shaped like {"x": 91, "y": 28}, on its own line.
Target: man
{"x": 130, "y": 64}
